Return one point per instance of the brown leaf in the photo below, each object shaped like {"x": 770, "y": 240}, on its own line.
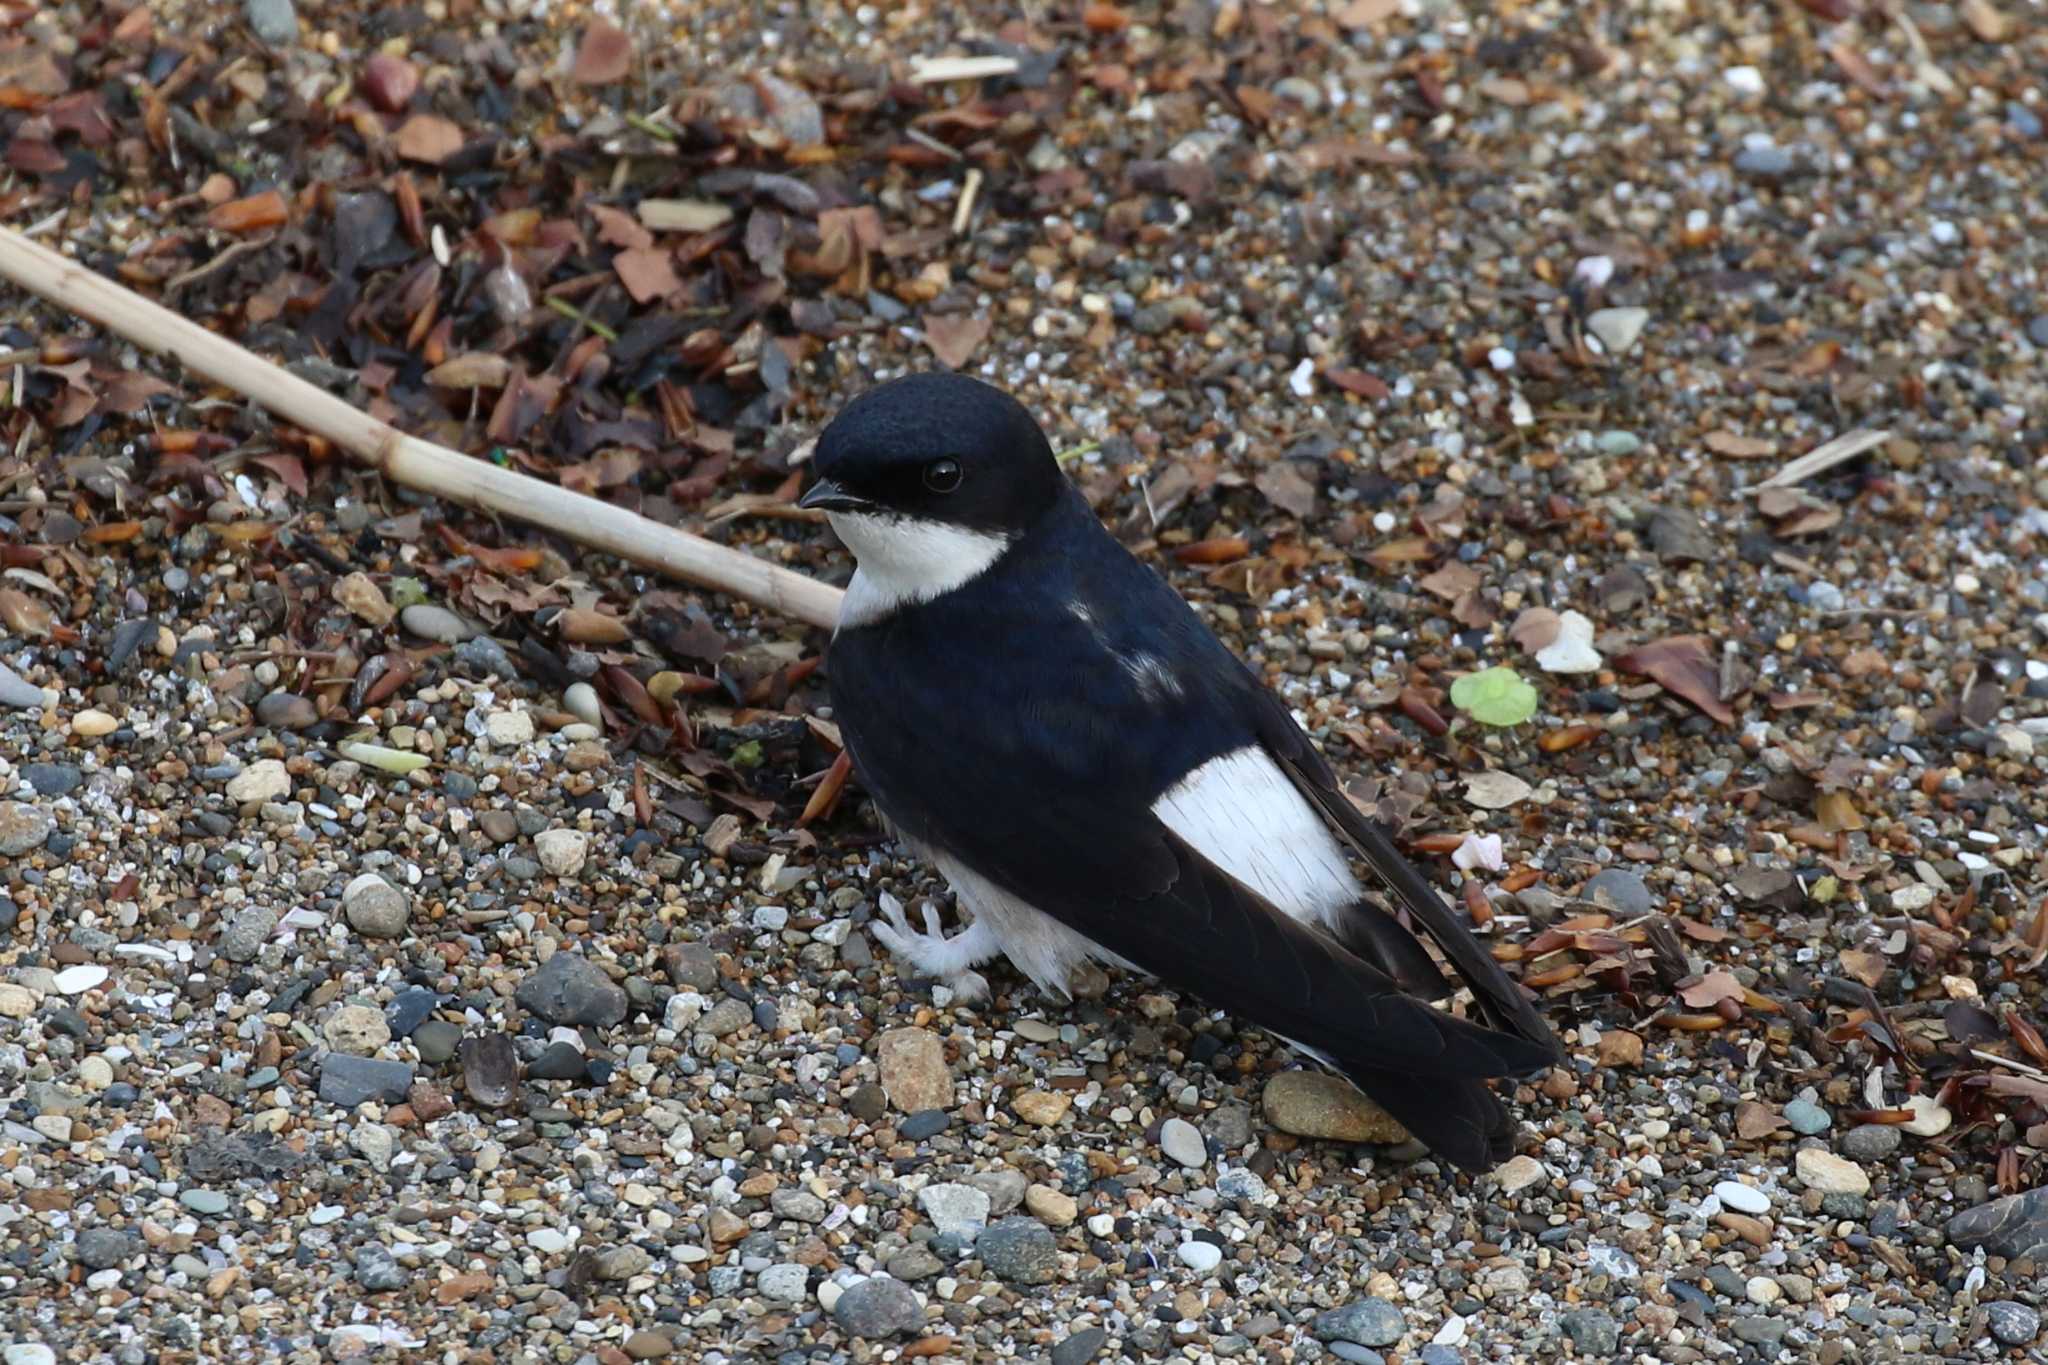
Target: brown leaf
{"x": 1738, "y": 447}
{"x": 1711, "y": 989}
{"x": 1404, "y": 550}
{"x": 1451, "y": 582}
{"x": 1864, "y": 965}
{"x": 1360, "y": 383}
{"x": 471, "y": 370}
{"x": 130, "y": 390}
{"x": 1836, "y": 811}
{"x": 953, "y": 337}
{"x": 615, "y": 466}
{"x": 257, "y": 213}
{"x": 616, "y": 227}
{"x": 1221, "y": 550}
{"x": 1536, "y": 629}
{"x": 1817, "y": 359}
{"x": 1682, "y": 665}
{"x": 428, "y": 139}
{"x": 288, "y": 469}
{"x": 30, "y": 71}
{"x": 647, "y": 272}
{"x": 22, "y": 614}
{"x": 1755, "y": 1119}
{"x": 1287, "y": 487}
{"x": 604, "y": 55}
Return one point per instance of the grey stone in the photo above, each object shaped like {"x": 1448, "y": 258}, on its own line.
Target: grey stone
{"x": 1019, "y": 1250}
{"x": 1619, "y": 890}
{"x": 1592, "y": 1331}
{"x": 1765, "y": 162}
{"x": 2012, "y": 1322}
{"x": 692, "y": 966}
{"x": 490, "y": 1069}
{"x": 286, "y": 711}
{"x": 2037, "y": 330}
{"x": 430, "y": 622}
{"x": 798, "y": 1205}
{"x": 1870, "y": 1141}
{"x": 1807, "y": 1118}
{"x": 1080, "y": 1348}
{"x": 52, "y": 779}
{"x": 349, "y": 1081}
{"x": 246, "y": 933}
{"x": 376, "y": 908}
{"x": 274, "y": 21}
{"x": 378, "y": 1271}
{"x": 18, "y": 692}
{"x": 1367, "y": 1322}
{"x": 436, "y": 1040}
{"x": 2012, "y": 1227}
{"x": 955, "y": 1207}
{"x": 1005, "y": 1189}
{"x": 878, "y": 1307}
{"x": 1760, "y": 1331}
{"x": 1181, "y": 1141}
{"x": 23, "y": 828}
{"x": 570, "y": 989}
{"x": 104, "y": 1248}
{"x": 789, "y": 1283}
{"x": 726, "y": 1018}
{"x": 211, "y": 1203}
{"x": 559, "y": 1061}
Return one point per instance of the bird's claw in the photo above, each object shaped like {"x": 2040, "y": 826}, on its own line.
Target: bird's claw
{"x": 932, "y": 952}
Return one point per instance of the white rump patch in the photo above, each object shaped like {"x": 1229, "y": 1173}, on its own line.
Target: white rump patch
{"x": 904, "y": 561}
{"x": 1240, "y": 811}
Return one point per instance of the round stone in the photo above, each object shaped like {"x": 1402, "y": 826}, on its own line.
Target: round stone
{"x": 375, "y": 907}
{"x": 1742, "y": 1198}
{"x": 1200, "y": 1257}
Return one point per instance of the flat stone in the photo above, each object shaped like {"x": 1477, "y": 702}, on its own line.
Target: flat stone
{"x": 570, "y": 989}
{"x": 1199, "y": 1256}
{"x": 430, "y": 622}
{"x": 1018, "y": 1250}
{"x": 53, "y": 779}
{"x": 436, "y": 1040}
{"x": 562, "y": 852}
{"x": 1733, "y": 1194}
{"x": 1830, "y": 1174}
{"x": 490, "y": 1069}
{"x": 1619, "y": 890}
{"x": 878, "y": 1306}
{"x": 559, "y": 1061}
{"x": 2012, "y": 1322}
{"x": 349, "y": 1080}
{"x": 87, "y": 976}
{"x": 1366, "y": 1322}
{"x": 1870, "y": 1142}
{"x": 1045, "y": 1108}
{"x": 1181, "y": 1140}
{"x": 378, "y": 1271}
{"x": 1807, "y": 1118}
{"x": 376, "y": 908}
{"x": 1050, "y": 1206}
{"x": 955, "y": 1208}
{"x": 787, "y": 1283}
{"x": 286, "y": 711}
{"x": 912, "y": 1062}
{"x": 23, "y": 828}
{"x": 1315, "y": 1104}
{"x": 646, "y": 1345}
{"x": 16, "y": 1002}
{"x": 247, "y": 930}
{"x": 104, "y": 1248}
{"x": 359, "y": 1029}
{"x": 19, "y": 694}
{"x": 1080, "y": 1348}
{"x": 1618, "y": 328}
{"x": 263, "y": 780}
{"x": 1517, "y": 1173}
{"x": 1592, "y": 1331}
{"x": 2012, "y": 1227}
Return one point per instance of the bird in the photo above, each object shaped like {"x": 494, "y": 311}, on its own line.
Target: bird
{"x": 1038, "y": 714}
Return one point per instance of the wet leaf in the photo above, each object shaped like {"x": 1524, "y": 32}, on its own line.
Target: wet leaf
{"x": 1682, "y": 665}
{"x": 1711, "y": 989}
{"x": 953, "y": 337}
{"x": 1495, "y": 696}
{"x": 1288, "y": 487}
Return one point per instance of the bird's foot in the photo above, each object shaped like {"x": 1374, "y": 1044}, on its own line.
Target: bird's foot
{"x": 934, "y": 954}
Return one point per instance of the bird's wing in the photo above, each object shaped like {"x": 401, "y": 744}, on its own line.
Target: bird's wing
{"x": 1028, "y": 785}
{"x": 1500, "y": 1000}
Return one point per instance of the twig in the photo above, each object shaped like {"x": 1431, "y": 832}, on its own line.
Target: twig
{"x": 1981, "y": 1055}
{"x": 406, "y": 459}
{"x": 964, "y": 210}
{"x": 1821, "y": 458}
{"x": 577, "y": 315}
{"x": 225, "y": 258}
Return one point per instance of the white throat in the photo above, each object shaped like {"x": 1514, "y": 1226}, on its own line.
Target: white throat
{"x": 903, "y": 561}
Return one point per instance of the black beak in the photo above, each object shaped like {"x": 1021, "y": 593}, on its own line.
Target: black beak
{"x": 830, "y": 497}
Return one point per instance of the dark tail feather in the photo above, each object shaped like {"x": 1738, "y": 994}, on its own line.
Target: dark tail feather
{"x": 1377, "y": 937}
{"x": 1461, "y": 1121}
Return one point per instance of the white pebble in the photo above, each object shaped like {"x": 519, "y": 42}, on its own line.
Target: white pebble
{"x": 80, "y": 979}
{"x": 1201, "y": 1257}
{"x": 1501, "y": 358}
{"x": 507, "y": 729}
{"x": 1742, "y": 1198}
{"x": 1303, "y": 380}
{"x": 1745, "y": 79}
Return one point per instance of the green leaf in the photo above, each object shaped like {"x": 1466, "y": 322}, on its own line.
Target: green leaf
{"x": 747, "y": 755}
{"x": 407, "y": 592}
{"x": 1494, "y": 696}
{"x": 383, "y": 758}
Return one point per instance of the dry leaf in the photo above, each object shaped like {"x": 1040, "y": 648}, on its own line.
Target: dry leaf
{"x": 257, "y": 213}
{"x": 1495, "y": 789}
{"x": 471, "y": 370}
{"x": 1405, "y": 550}
{"x": 1864, "y": 965}
{"x": 1451, "y": 582}
{"x": 604, "y": 55}
{"x": 1287, "y": 487}
{"x": 616, "y": 227}
{"x": 1536, "y": 629}
{"x": 24, "y": 615}
{"x": 683, "y": 215}
{"x": 647, "y": 272}
{"x": 428, "y": 139}
{"x": 954, "y": 336}
{"x": 1711, "y": 989}
{"x": 1682, "y": 665}
{"x": 1754, "y": 1119}
{"x": 1738, "y": 447}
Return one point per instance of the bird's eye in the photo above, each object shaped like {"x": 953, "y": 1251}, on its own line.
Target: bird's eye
{"x": 942, "y": 476}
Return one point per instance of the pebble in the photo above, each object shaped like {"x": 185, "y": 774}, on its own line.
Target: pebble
{"x": 560, "y": 1061}
{"x": 435, "y": 1040}
{"x": 509, "y": 729}
{"x": 581, "y": 699}
{"x": 286, "y": 711}
{"x": 210, "y": 1203}
{"x": 1365, "y": 1322}
{"x": 1618, "y": 328}
{"x": 23, "y": 828}
{"x": 1733, "y": 1194}
{"x": 1044, "y": 1108}
{"x": 1806, "y": 1118}
{"x": 263, "y": 780}
{"x": 2037, "y": 330}
{"x": 375, "y": 907}
{"x": 80, "y": 979}
{"x": 1517, "y": 1173}
{"x": 1593, "y": 1331}
{"x": 53, "y": 779}
{"x": 955, "y": 1208}
{"x": 1870, "y": 1142}
{"x": 246, "y": 933}
{"x": 786, "y": 1283}
{"x": 2013, "y": 1226}
{"x": 378, "y": 1271}
{"x": 430, "y": 622}
{"x": 1200, "y": 1257}
{"x": 878, "y": 1306}
{"x": 18, "y": 693}
{"x": 1181, "y": 1140}
{"x": 275, "y": 22}
{"x": 1619, "y": 890}
{"x": 92, "y": 724}
{"x": 1050, "y": 1206}
{"x": 1018, "y": 1250}
{"x": 1829, "y": 1174}
{"x": 16, "y": 1002}
{"x": 357, "y": 1029}
{"x": 646, "y": 1345}
{"x": 104, "y": 1248}
{"x": 490, "y": 1068}
{"x": 570, "y": 989}
{"x": 348, "y": 1080}
{"x": 562, "y": 851}
{"x": 1315, "y": 1104}
{"x": 1929, "y": 1119}
{"x": 2012, "y": 1322}
{"x": 914, "y": 1074}
{"x": 1080, "y": 1348}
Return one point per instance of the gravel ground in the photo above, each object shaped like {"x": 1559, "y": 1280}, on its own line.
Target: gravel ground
{"x": 414, "y": 942}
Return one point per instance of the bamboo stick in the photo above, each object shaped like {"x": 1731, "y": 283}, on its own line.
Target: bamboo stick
{"x": 406, "y": 459}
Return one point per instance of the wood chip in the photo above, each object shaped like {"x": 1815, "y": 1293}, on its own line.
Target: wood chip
{"x": 933, "y": 70}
